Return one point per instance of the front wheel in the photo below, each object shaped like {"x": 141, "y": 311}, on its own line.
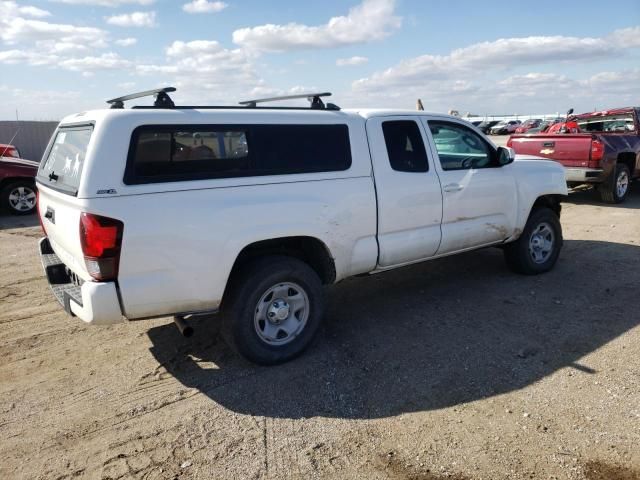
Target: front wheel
{"x": 274, "y": 309}
{"x": 537, "y": 249}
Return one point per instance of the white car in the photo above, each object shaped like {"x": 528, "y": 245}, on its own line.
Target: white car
{"x": 505, "y": 127}
{"x": 177, "y": 211}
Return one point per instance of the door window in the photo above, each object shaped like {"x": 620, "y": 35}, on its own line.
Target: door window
{"x": 405, "y": 146}
{"x": 460, "y": 148}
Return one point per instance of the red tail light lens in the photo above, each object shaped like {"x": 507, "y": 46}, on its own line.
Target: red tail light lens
{"x": 509, "y": 142}
{"x": 597, "y": 150}
{"x": 101, "y": 238}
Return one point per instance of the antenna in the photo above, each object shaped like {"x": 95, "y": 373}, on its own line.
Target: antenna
{"x": 162, "y": 99}
{"x": 314, "y": 98}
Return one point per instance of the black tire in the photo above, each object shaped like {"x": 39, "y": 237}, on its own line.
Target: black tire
{"x": 240, "y": 308}
{"x": 518, "y": 254}
{"x": 24, "y": 206}
{"x": 609, "y": 191}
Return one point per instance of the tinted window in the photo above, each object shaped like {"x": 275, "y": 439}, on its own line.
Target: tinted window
{"x": 460, "y": 147}
{"x": 62, "y": 167}
{"x": 613, "y": 123}
{"x": 405, "y": 146}
{"x": 164, "y": 154}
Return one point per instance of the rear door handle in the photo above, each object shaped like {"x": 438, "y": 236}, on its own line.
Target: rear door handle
{"x": 452, "y": 187}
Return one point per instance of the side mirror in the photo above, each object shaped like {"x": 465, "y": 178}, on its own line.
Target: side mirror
{"x": 570, "y": 112}
{"x": 506, "y": 155}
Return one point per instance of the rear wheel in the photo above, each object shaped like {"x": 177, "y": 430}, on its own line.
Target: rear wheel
{"x": 19, "y": 198}
{"x": 274, "y": 309}
{"x": 537, "y": 249}
{"x": 615, "y": 189}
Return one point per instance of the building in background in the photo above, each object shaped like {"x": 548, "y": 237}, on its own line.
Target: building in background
{"x": 31, "y": 138}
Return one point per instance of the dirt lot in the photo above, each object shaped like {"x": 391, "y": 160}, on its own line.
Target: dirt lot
{"x": 453, "y": 369}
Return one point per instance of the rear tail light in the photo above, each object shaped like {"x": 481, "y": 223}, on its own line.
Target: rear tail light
{"x": 597, "y": 150}
{"x": 101, "y": 239}
{"x": 510, "y": 142}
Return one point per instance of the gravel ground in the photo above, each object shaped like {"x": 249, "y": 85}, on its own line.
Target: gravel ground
{"x": 452, "y": 369}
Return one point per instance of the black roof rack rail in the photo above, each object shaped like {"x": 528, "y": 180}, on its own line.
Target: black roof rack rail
{"x": 314, "y": 98}
{"x": 162, "y": 99}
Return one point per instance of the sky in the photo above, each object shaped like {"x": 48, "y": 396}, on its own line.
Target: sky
{"x": 60, "y": 57}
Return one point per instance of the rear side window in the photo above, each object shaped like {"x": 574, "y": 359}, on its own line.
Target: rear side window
{"x": 613, "y": 123}
{"x": 62, "y": 167}
{"x": 405, "y": 146}
{"x": 177, "y": 153}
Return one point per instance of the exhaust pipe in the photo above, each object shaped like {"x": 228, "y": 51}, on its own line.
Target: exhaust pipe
{"x": 185, "y": 329}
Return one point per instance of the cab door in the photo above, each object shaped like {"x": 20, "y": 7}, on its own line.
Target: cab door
{"x": 479, "y": 196}
{"x": 407, "y": 190}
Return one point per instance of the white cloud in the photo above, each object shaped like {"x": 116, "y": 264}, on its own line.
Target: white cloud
{"x": 12, "y": 9}
{"x": 533, "y": 80}
{"x": 204, "y": 6}
{"x": 197, "y": 47}
{"x": 17, "y": 56}
{"x": 105, "y": 3}
{"x": 133, "y": 19}
{"x": 352, "y": 61}
{"x": 502, "y": 53}
{"x": 106, "y": 61}
{"x": 18, "y": 29}
{"x": 371, "y": 20}
{"x": 41, "y": 43}
{"x": 626, "y": 37}
{"x": 204, "y": 71}
{"x": 126, "y": 42}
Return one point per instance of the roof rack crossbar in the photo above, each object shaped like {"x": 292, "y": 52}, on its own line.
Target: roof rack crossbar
{"x": 314, "y": 98}
{"x": 162, "y": 99}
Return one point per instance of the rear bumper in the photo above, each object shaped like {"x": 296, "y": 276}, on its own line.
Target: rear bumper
{"x": 584, "y": 175}
{"x": 95, "y": 303}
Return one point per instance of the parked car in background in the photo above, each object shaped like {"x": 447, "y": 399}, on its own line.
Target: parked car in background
{"x": 8, "y": 150}
{"x": 528, "y": 125}
{"x": 600, "y": 148}
{"x": 17, "y": 186}
{"x": 486, "y": 125}
{"x": 541, "y": 128}
{"x": 504, "y": 127}
{"x": 178, "y": 211}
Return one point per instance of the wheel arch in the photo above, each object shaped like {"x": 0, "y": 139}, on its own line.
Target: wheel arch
{"x": 310, "y": 250}
{"x": 12, "y": 179}
{"x": 551, "y": 201}
{"x": 629, "y": 159}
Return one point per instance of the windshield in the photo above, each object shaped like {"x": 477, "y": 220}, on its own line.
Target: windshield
{"x": 612, "y": 123}
{"x": 62, "y": 167}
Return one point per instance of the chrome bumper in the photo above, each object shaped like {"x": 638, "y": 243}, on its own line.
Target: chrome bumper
{"x": 583, "y": 175}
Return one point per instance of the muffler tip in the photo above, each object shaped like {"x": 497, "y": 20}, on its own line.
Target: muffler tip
{"x": 183, "y": 327}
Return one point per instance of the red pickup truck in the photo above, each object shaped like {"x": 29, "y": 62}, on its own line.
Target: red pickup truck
{"x": 604, "y": 149}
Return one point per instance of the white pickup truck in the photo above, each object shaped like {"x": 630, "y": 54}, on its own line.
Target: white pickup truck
{"x": 177, "y": 211}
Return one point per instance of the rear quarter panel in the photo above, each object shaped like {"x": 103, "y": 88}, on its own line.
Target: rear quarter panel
{"x": 179, "y": 247}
